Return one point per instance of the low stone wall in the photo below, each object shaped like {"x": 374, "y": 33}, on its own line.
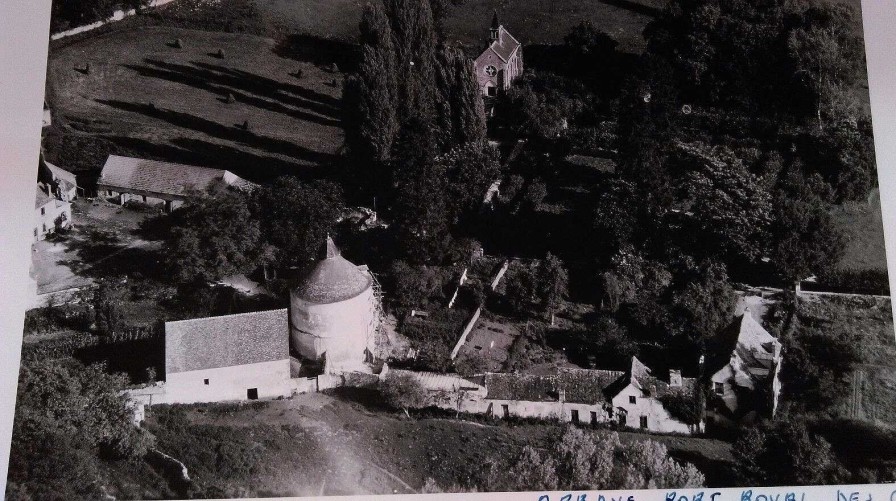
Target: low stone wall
{"x": 466, "y": 332}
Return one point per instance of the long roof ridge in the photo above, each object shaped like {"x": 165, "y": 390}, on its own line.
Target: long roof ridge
{"x": 244, "y": 314}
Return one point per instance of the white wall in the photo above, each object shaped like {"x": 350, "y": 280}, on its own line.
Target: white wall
{"x": 229, "y": 383}
{"x": 342, "y": 330}
{"x": 658, "y": 418}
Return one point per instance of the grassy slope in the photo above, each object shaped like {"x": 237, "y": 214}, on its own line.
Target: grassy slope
{"x": 294, "y": 123}
{"x": 313, "y": 437}
{"x": 861, "y": 222}
{"x": 877, "y": 371}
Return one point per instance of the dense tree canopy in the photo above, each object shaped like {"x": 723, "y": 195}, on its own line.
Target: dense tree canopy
{"x": 785, "y": 453}
{"x": 214, "y": 237}
{"x": 296, "y": 216}
{"x": 68, "y": 417}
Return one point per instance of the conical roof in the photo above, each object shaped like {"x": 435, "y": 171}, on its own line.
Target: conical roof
{"x": 332, "y": 278}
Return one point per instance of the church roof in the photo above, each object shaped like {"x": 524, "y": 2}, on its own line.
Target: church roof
{"x": 332, "y": 278}
{"x": 506, "y": 45}
{"x": 137, "y": 174}
{"x": 226, "y": 341}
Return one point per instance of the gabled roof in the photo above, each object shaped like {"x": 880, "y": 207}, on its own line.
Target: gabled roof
{"x": 747, "y": 345}
{"x": 505, "y": 46}
{"x": 333, "y": 278}
{"x": 166, "y": 178}
{"x": 42, "y": 198}
{"x": 226, "y": 341}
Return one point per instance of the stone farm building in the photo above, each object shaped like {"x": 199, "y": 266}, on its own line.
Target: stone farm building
{"x": 500, "y": 63}
{"x": 161, "y": 183}
{"x": 633, "y": 398}
{"x": 233, "y": 357}
{"x": 50, "y": 213}
{"x": 744, "y": 371}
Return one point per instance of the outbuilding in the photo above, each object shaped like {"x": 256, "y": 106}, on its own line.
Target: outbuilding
{"x": 227, "y": 358}
{"x": 125, "y": 179}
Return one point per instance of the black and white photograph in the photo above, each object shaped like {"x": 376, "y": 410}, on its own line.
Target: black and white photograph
{"x": 356, "y": 247}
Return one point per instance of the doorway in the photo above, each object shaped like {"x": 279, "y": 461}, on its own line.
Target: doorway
{"x": 252, "y": 393}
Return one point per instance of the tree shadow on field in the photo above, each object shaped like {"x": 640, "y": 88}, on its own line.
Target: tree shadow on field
{"x": 255, "y": 168}
{"x": 636, "y": 7}
{"x": 320, "y": 51}
{"x": 249, "y": 89}
{"x": 220, "y": 131}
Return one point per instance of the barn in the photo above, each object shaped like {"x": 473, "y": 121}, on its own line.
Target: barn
{"x": 125, "y": 179}
{"x": 227, "y": 358}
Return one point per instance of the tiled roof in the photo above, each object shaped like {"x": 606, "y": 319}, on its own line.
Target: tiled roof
{"x": 584, "y": 386}
{"x": 505, "y": 45}
{"x": 62, "y": 174}
{"x": 752, "y": 345}
{"x": 208, "y": 343}
{"x": 433, "y": 381}
{"x": 333, "y": 278}
{"x": 526, "y": 387}
{"x": 166, "y": 178}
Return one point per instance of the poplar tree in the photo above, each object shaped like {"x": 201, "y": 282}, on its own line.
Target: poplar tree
{"x": 371, "y": 94}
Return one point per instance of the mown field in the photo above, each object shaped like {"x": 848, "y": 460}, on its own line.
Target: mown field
{"x": 862, "y": 224}
{"x": 145, "y": 95}
{"x": 871, "y": 393}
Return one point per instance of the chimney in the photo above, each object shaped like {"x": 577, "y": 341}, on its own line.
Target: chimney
{"x": 675, "y": 378}
{"x": 561, "y": 395}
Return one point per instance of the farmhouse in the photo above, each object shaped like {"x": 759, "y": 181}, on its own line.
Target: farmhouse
{"x": 161, "y": 183}
{"x": 50, "y": 213}
{"x": 335, "y": 312}
{"x": 633, "y": 398}
{"x": 63, "y": 183}
{"x": 232, "y": 357}
{"x": 500, "y": 63}
{"x": 744, "y": 371}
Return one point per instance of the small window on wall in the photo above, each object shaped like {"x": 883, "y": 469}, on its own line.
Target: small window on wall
{"x": 575, "y": 416}
{"x": 644, "y": 422}
{"x": 718, "y": 388}
{"x": 43, "y": 211}
{"x": 491, "y": 91}
{"x": 632, "y": 400}
{"x": 252, "y": 393}
{"x": 205, "y": 381}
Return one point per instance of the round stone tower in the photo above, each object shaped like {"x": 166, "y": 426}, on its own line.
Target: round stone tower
{"x": 334, "y": 312}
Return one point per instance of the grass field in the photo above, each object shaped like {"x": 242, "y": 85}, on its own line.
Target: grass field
{"x": 863, "y": 226}
{"x": 530, "y": 21}
{"x": 872, "y": 394}
{"x": 169, "y": 103}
